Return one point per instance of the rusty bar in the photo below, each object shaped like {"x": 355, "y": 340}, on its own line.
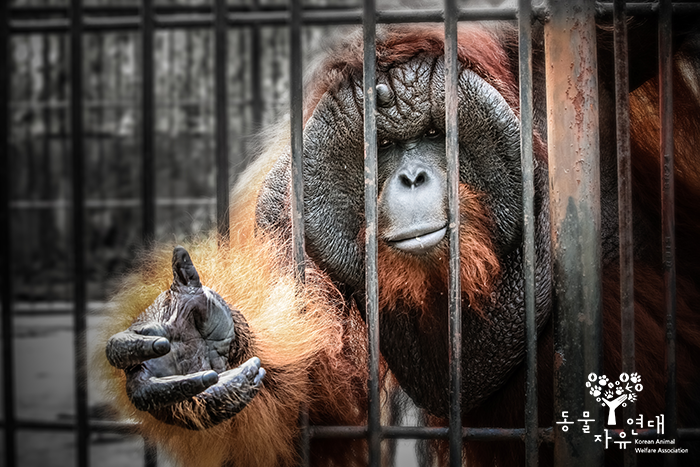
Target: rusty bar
{"x": 528, "y": 174}
{"x": 369, "y": 31}
{"x": 222, "y": 162}
{"x": 78, "y": 222}
{"x": 574, "y": 171}
{"x": 668, "y": 221}
{"x": 455, "y": 296}
{"x": 624, "y": 196}
{"x": 6, "y": 279}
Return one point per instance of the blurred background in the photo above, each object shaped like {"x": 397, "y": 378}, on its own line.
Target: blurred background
{"x": 184, "y": 145}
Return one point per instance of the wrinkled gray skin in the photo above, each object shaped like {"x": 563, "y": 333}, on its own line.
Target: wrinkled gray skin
{"x": 408, "y": 109}
{"x": 411, "y": 109}
{"x": 184, "y": 350}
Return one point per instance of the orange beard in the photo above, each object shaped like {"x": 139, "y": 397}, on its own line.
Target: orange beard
{"x": 408, "y": 282}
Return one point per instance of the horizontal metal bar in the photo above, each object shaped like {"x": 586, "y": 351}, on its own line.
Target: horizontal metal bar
{"x": 688, "y": 433}
{"x": 202, "y": 19}
{"x": 384, "y": 17}
{"x": 418, "y": 432}
{"x": 199, "y": 19}
{"x": 26, "y": 20}
{"x": 110, "y": 203}
{"x": 111, "y": 23}
{"x": 605, "y": 10}
{"x": 56, "y": 308}
{"x": 94, "y": 426}
{"x": 21, "y": 12}
{"x": 55, "y": 104}
{"x": 357, "y": 432}
{"x": 125, "y": 10}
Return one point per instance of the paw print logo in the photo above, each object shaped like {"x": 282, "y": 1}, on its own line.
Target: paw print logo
{"x": 614, "y": 394}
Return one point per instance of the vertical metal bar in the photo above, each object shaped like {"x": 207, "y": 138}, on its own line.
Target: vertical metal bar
{"x": 574, "y": 171}
{"x": 297, "y": 143}
{"x": 150, "y": 454}
{"x": 528, "y": 174}
{"x": 624, "y": 195}
{"x": 369, "y": 29}
{"x": 222, "y": 162}
{"x": 455, "y": 295}
{"x": 297, "y": 122}
{"x": 668, "y": 221}
{"x": 148, "y": 170}
{"x": 148, "y": 175}
{"x": 79, "y": 275}
{"x": 256, "y": 73}
{"x": 6, "y": 279}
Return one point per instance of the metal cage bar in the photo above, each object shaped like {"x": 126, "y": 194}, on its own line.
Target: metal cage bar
{"x": 528, "y": 175}
{"x": 297, "y": 135}
{"x": 574, "y": 202}
{"x": 297, "y": 148}
{"x": 369, "y": 35}
{"x": 78, "y": 222}
{"x": 24, "y": 21}
{"x": 6, "y": 279}
{"x": 455, "y": 295}
{"x": 668, "y": 221}
{"x": 624, "y": 195}
{"x": 221, "y": 106}
{"x": 148, "y": 162}
{"x": 256, "y": 73}
{"x": 148, "y": 156}
{"x": 77, "y": 19}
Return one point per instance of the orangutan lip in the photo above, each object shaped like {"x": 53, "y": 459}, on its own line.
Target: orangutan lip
{"x": 418, "y": 243}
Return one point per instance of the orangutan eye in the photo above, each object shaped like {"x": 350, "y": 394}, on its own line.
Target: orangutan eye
{"x": 432, "y": 133}
{"x": 385, "y": 143}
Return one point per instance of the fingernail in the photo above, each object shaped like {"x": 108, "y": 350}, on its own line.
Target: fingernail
{"x": 161, "y": 346}
{"x": 261, "y": 375}
{"x": 209, "y": 378}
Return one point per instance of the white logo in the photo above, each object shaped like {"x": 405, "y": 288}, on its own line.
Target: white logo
{"x": 614, "y": 394}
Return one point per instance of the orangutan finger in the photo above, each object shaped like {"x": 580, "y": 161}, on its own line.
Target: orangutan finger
{"x": 149, "y": 392}
{"x": 127, "y": 348}
{"x": 234, "y": 391}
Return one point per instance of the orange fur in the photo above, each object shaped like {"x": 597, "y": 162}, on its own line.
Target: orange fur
{"x": 644, "y": 137}
{"x": 505, "y": 407}
{"x": 410, "y": 282}
{"x": 397, "y": 45}
{"x": 312, "y": 346}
